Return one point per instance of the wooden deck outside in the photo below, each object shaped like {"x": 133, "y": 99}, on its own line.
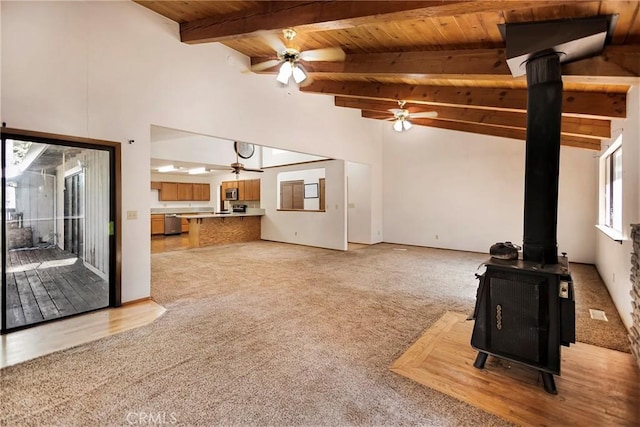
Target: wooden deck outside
{"x": 45, "y": 284}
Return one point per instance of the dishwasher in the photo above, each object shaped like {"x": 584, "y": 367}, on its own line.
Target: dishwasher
{"x": 172, "y": 224}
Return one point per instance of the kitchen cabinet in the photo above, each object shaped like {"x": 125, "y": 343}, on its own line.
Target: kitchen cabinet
{"x": 248, "y": 189}
{"x": 252, "y": 189}
{"x": 183, "y": 191}
{"x": 157, "y": 224}
{"x": 168, "y": 191}
{"x": 184, "y": 225}
{"x": 201, "y": 192}
{"x": 156, "y": 185}
{"x": 240, "y": 186}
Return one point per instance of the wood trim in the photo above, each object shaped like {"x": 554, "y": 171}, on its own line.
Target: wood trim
{"x": 307, "y": 16}
{"x": 620, "y": 63}
{"x": 59, "y": 137}
{"x": 598, "y": 104}
{"x": 136, "y": 301}
{"x": 299, "y": 210}
{"x": 117, "y": 291}
{"x": 575, "y": 126}
{"x": 504, "y": 132}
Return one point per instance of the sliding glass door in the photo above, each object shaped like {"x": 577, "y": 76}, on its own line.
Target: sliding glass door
{"x": 58, "y": 209}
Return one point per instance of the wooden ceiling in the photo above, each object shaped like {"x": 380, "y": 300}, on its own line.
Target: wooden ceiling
{"x": 443, "y": 56}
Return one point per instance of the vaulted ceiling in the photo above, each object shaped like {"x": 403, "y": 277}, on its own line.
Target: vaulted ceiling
{"x": 443, "y": 56}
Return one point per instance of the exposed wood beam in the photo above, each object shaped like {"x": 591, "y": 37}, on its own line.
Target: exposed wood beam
{"x": 575, "y": 126}
{"x": 619, "y": 64}
{"x": 273, "y": 16}
{"x": 521, "y": 134}
{"x": 598, "y": 104}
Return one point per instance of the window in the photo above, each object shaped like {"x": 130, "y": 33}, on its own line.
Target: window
{"x": 611, "y": 191}
{"x": 302, "y": 190}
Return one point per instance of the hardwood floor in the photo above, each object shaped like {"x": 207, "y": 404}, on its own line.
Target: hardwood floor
{"x": 27, "y": 344}
{"x": 598, "y": 386}
{"x": 161, "y": 243}
{"x": 45, "y": 284}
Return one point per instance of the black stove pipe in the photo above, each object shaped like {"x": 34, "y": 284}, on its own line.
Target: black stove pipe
{"x": 542, "y": 165}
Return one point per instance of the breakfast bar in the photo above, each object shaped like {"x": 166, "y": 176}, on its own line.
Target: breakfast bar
{"x": 209, "y": 229}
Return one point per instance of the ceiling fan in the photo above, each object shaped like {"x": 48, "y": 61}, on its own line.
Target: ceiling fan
{"x": 237, "y": 166}
{"x": 290, "y": 57}
{"x": 401, "y": 117}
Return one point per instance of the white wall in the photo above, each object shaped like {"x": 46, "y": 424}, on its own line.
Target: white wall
{"x": 359, "y": 221}
{"x": 613, "y": 259}
{"x": 201, "y": 149}
{"x": 111, "y": 70}
{"x": 460, "y": 191}
{"x": 322, "y": 229}
{"x": 277, "y": 157}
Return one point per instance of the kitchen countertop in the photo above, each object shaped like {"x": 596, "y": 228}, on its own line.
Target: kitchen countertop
{"x": 255, "y": 212}
{"x": 182, "y": 210}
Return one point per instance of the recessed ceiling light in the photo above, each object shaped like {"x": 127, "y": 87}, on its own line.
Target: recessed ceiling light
{"x": 168, "y": 168}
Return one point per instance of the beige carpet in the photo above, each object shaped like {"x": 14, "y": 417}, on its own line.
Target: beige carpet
{"x": 266, "y": 334}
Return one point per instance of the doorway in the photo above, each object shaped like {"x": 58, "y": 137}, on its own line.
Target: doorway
{"x": 60, "y": 198}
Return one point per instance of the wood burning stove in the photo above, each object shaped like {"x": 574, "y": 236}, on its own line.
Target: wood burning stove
{"x": 524, "y": 312}
{"x": 525, "y": 308}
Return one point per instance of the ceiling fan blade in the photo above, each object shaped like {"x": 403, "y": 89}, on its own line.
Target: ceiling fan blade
{"x": 264, "y": 65}
{"x": 325, "y": 54}
{"x": 272, "y": 41}
{"x": 395, "y": 110}
{"x": 424, "y": 115}
{"x": 252, "y": 170}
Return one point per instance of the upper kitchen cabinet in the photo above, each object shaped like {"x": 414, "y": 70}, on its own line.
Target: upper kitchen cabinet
{"x": 201, "y": 192}
{"x": 184, "y": 191}
{"x": 248, "y": 189}
{"x": 168, "y": 191}
{"x": 252, "y": 189}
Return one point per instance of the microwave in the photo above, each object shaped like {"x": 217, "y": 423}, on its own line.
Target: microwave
{"x": 231, "y": 194}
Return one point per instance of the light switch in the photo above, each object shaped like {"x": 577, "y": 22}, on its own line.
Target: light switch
{"x": 132, "y": 214}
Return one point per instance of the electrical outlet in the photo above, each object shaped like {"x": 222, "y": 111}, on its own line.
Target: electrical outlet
{"x": 132, "y": 214}
{"x": 295, "y": 233}
{"x": 437, "y": 237}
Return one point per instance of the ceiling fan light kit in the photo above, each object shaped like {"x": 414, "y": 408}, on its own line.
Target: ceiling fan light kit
{"x": 402, "y": 125}
{"x": 288, "y": 69}
{"x": 290, "y": 58}
{"x": 401, "y": 117}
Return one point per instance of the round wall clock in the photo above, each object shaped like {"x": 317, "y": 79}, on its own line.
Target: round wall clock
{"x": 244, "y": 149}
